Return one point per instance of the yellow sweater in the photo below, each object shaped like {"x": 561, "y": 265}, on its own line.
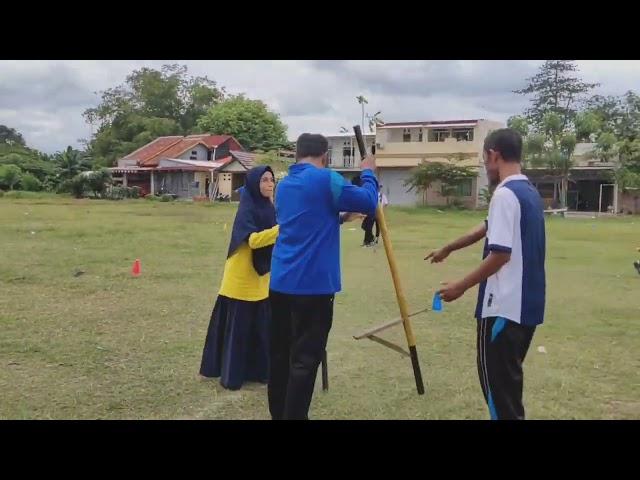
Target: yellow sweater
{"x": 240, "y": 280}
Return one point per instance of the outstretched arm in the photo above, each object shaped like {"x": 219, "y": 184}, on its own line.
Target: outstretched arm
{"x": 469, "y": 238}
{"x": 264, "y": 238}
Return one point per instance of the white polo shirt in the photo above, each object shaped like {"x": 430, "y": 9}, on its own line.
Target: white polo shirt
{"x": 516, "y": 225}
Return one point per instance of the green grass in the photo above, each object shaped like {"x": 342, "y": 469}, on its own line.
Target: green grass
{"x": 106, "y": 345}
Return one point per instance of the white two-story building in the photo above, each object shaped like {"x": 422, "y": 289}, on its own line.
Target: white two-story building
{"x": 344, "y": 156}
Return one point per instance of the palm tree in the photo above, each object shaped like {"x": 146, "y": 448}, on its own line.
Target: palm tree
{"x": 69, "y": 162}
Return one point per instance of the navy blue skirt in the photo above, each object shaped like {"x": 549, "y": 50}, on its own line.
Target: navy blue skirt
{"x": 237, "y": 344}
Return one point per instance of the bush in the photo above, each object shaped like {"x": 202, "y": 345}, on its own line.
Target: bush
{"x": 64, "y": 186}
{"x": 52, "y": 184}
{"x": 97, "y": 181}
{"x": 115, "y": 193}
{"x": 10, "y": 176}
{"x": 151, "y": 197}
{"x": 134, "y": 192}
{"x": 30, "y": 183}
{"x": 78, "y": 185}
{"x": 457, "y": 203}
{"x": 166, "y": 198}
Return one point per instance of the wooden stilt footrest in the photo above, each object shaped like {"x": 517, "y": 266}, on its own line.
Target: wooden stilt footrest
{"x": 397, "y": 321}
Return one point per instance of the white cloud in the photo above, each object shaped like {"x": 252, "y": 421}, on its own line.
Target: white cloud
{"x": 44, "y": 100}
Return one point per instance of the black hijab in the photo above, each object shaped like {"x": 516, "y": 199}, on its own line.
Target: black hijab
{"x": 255, "y": 213}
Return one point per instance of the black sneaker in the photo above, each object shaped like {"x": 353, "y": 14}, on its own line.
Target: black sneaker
{"x": 637, "y": 265}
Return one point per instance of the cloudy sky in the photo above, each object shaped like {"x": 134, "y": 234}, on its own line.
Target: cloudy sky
{"x": 44, "y": 100}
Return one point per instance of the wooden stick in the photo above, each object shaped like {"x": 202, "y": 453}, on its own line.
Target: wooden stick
{"x": 384, "y": 326}
{"x": 388, "y": 344}
{"x": 402, "y": 301}
{"x": 378, "y": 329}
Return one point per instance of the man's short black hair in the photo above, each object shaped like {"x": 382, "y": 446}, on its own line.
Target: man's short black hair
{"x": 311, "y": 145}
{"x": 506, "y": 141}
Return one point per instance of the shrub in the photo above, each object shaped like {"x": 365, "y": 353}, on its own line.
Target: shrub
{"x": 10, "y": 176}
{"x": 30, "y": 183}
{"x": 78, "y": 185}
{"x": 135, "y": 192}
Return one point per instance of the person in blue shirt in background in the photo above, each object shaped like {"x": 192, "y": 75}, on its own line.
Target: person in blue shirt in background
{"x": 305, "y": 269}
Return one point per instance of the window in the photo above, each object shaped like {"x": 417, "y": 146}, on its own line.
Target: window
{"x": 420, "y": 135}
{"x": 463, "y": 134}
{"x": 438, "y": 134}
{"x": 462, "y": 190}
{"x": 406, "y": 135}
{"x": 194, "y": 155}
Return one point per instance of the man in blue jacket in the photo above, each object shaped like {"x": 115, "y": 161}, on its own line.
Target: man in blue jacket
{"x": 305, "y": 269}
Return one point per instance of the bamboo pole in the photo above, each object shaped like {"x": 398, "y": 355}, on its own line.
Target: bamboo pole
{"x": 393, "y": 267}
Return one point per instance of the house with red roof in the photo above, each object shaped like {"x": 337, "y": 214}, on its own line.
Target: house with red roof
{"x": 203, "y": 165}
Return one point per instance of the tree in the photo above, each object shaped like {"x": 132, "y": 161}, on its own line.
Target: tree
{"x": 279, "y": 165}
{"x": 587, "y": 124}
{"x": 554, "y": 148}
{"x": 627, "y": 179}
{"x": 9, "y": 176}
{"x": 11, "y": 136}
{"x": 519, "y": 124}
{"x": 249, "y": 121}
{"x": 97, "y": 181}
{"x": 29, "y": 161}
{"x": 70, "y": 163}
{"x": 555, "y": 89}
{"x": 551, "y": 146}
{"x": 606, "y": 146}
{"x": 606, "y": 109}
{"x": 450, "y": 176}
{"x": 618, "y": 134}
{"x": 151, "y": 103}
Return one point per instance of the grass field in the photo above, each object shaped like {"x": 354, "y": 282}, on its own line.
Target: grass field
{"x": 105, "y": 345}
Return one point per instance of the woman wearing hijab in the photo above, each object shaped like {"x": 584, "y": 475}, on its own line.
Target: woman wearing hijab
{"x": 237, "y": 344}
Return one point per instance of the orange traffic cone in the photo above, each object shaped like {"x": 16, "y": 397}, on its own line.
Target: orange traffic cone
{"x": 136, "y": 268}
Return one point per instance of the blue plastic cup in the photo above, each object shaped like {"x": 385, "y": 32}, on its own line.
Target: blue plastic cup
{"x": 437, "y": 303}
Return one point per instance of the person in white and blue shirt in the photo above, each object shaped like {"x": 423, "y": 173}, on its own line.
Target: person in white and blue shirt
{"x": 511, "y": 297}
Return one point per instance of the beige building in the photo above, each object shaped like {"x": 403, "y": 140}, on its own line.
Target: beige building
{"x": 400, "y": 147}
